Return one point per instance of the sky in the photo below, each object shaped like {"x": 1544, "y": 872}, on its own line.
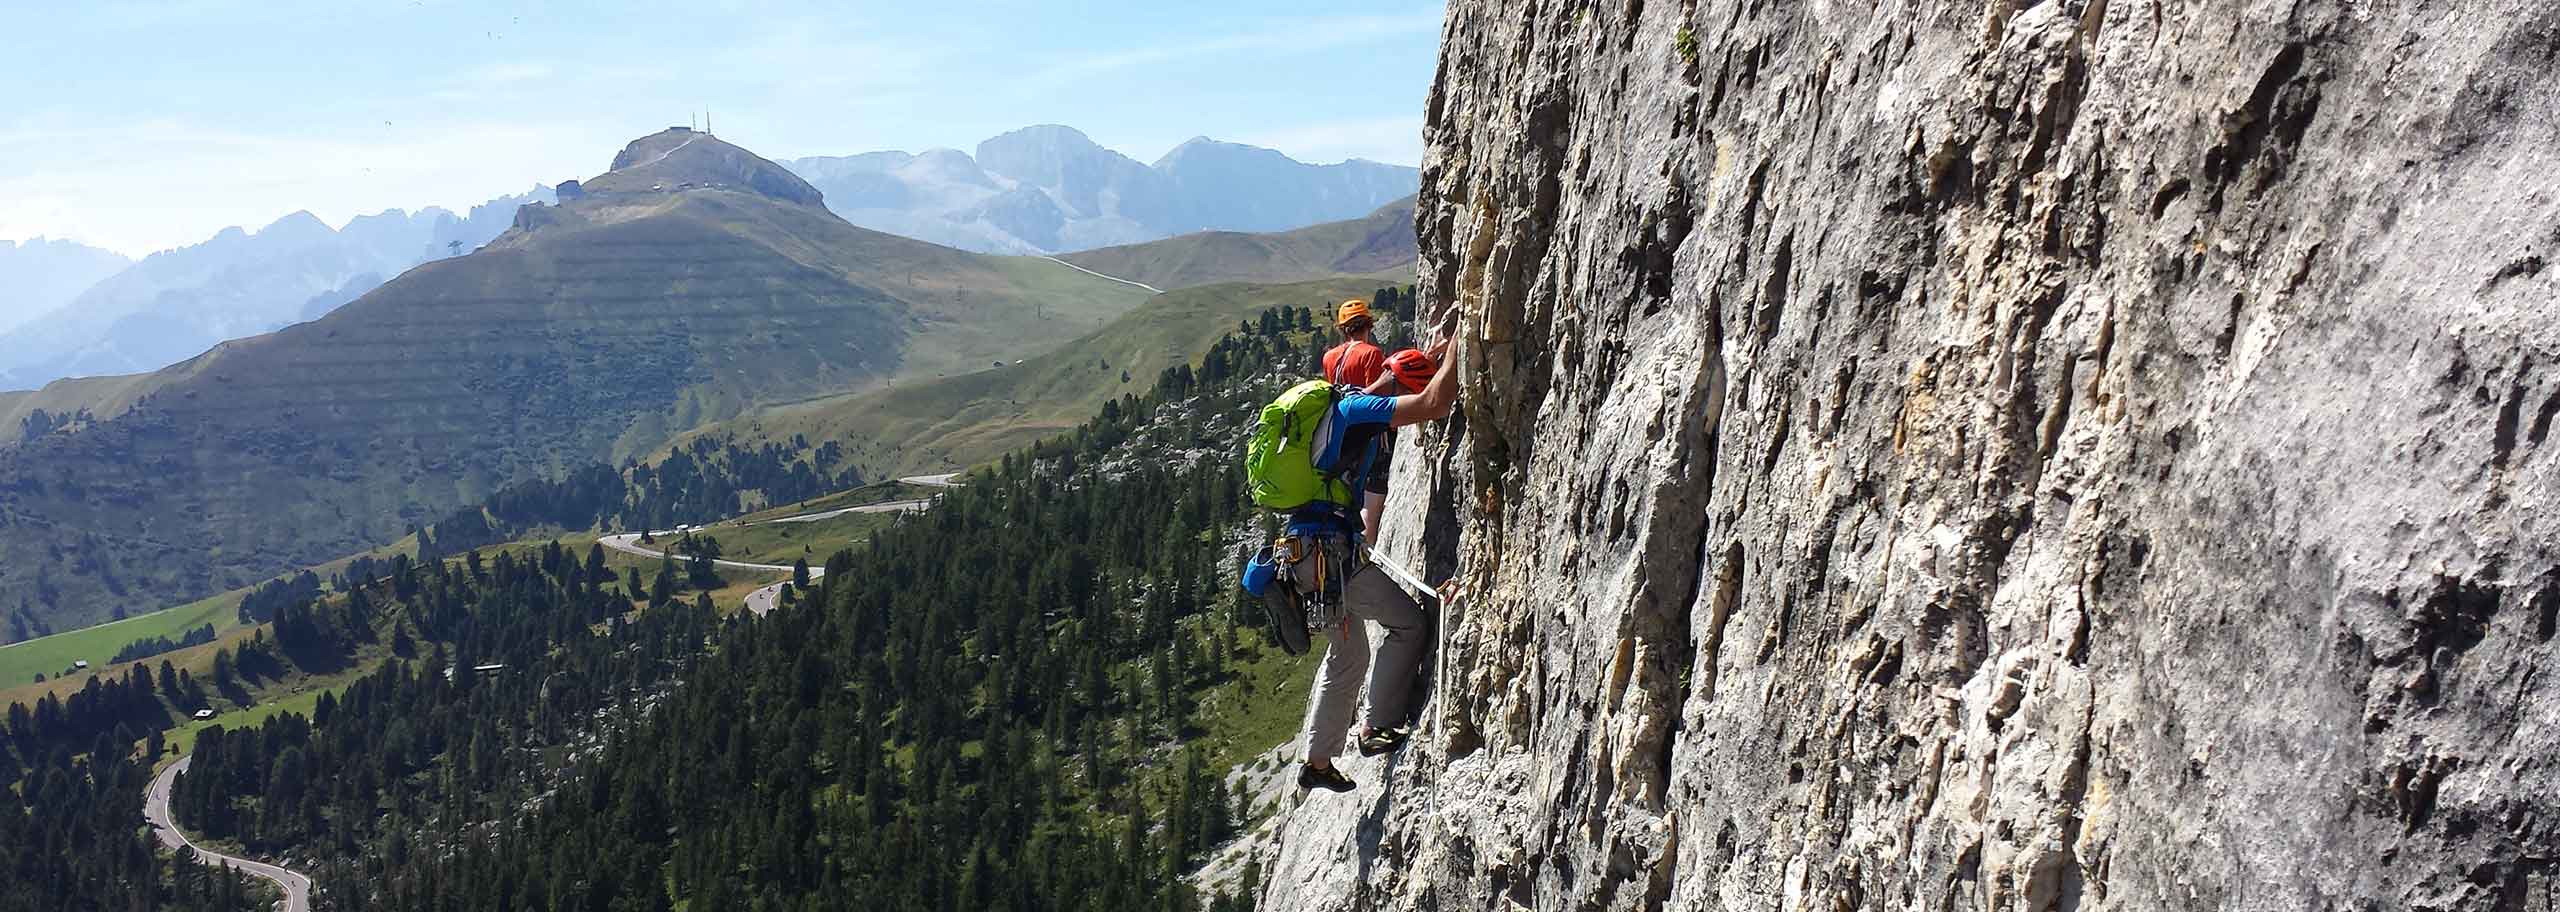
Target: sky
{"x": 143, "y": 126}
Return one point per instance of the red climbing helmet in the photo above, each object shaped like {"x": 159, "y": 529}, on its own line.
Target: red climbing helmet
{"x": 1412, "y": 369}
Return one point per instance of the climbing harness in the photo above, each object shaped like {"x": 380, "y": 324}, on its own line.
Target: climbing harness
{"x": 1294, "y": 609}
{"x": 1320, "y": 535}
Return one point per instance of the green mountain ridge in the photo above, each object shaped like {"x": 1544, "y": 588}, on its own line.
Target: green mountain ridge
{"x": 1215, "y": 278}
{"x": 950, "y": 424}
{"x": 1380, "y": 244}
{"x": 593, "y": 330}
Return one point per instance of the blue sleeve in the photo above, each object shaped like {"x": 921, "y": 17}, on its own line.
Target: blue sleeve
{"x": 1361, "y": 408}
{"x": 1350, "y": 413}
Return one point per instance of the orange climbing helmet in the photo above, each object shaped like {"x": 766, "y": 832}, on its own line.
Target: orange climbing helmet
{"x": 1354, "y": 311}
{"x": 1412, "y": 369}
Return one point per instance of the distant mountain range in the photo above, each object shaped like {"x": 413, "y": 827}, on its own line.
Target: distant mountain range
{"x": 73, "y": 311}
{"x": 693, "y": 281}
{"x": 1049, "y": 189}
{"x": 40, "y": 275}
{"x": 175, "y": 304}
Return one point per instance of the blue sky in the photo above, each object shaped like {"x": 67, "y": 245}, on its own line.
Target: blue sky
{"x": 142, "y": 126}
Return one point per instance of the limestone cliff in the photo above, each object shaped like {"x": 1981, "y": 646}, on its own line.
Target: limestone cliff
{"x": 1959, "y": 455}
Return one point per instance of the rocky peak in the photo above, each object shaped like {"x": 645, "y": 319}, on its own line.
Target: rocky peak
{"x": 680, "y": 158}
{"x": 1085, "y": 179}
{"x": 1200, "y": 151}
{"x": 826, "y": 167}
{"x": 949, "y": 166}
{"x": 1044, "y": 154}
{"x": 300, "y": 227}
{"x": 2075, "y": 455}
{"x": 654, "y": 146}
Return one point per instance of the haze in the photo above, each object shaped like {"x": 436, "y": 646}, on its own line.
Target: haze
{"x": 141, "y": 127}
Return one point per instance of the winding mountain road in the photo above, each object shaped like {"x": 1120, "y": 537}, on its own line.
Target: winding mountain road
{"x": 763, "y": 599}
{"x": 1102, "y": 275}
{"x": 759, "y": 602}
{"x": 155, "y": 809}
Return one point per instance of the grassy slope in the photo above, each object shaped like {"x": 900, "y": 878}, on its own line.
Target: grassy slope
{"x": 183, "y": 738}
{"x": 969, "y": 419}
{"x": 781, "y": 543}
{"x": 1378, "y": 245}
{"x": 1257, "y": 709}
{"x": 597, "y": 334}
{"x": 883, "y": 492}
{"x": 1047, "y": 304}
{"x": 194, "y": 659}
{"x": 48, "y": 656}
{"x": 299, "y": 689}
{"x": 104, "y": 397}
{"x": 21, "y": 662}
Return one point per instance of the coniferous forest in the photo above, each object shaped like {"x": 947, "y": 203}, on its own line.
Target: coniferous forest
{"x": 73, "y": 838}
{"x": 984, "y": 708}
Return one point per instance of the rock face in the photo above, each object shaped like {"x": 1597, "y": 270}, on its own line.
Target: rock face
{"x": 2023, "y": 455}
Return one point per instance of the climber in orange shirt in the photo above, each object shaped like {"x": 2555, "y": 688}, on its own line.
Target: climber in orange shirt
{"x": 1359, "y": 362}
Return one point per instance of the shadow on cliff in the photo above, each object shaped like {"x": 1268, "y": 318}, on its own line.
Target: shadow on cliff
{"x": 1441, "y": 530}
{"x": 1368, "y": 840}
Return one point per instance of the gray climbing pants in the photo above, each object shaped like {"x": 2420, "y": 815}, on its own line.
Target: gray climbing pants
{"x": 1367, "y": 596}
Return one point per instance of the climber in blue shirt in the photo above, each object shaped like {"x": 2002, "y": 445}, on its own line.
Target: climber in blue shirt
{"x": 1351, "y": 442}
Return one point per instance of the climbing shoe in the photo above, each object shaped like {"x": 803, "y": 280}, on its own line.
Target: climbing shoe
{"x": 1330, "y": 777}
{"x": 1382, "y": 741}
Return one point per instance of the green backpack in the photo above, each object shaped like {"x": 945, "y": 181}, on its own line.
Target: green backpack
{"x": 1280, "y": 463}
